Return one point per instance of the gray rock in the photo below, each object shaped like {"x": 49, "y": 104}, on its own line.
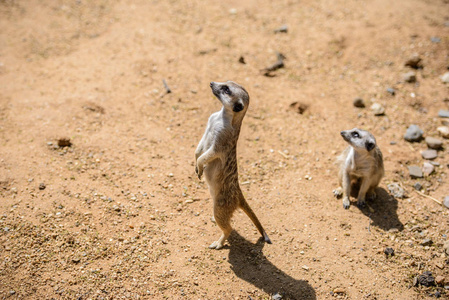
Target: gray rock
{"x": 413, "y": 133}
{"x": 429, "y": 154}
{"x": 444, "y": 131}
{"x": 378, "y": 109}
{"x": 417, "y": 186}
{"x": 443, "y": 113}
{"x": 276, "y": 296}
{"x": 425, "y": 279}
{"x": 283, "y": 28}
{"x": 391, "y": 91}
{"x": 414, "y": 62}
{"x": 435, "y": 39}
{"x": 409, "y": 77}
{"x": 446, "y": 201}
{"x": 433, "y": 143}
{"x": 396, "y": 190}
{"x": 426, "y": 242}
{"x": 358, "y": 102}
{"x": 415, "y": 172}
{"x": 428, "y": 168}
{"x": 445, "y": 77}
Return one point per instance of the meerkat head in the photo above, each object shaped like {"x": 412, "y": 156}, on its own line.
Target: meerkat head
{"x": 233, "y": 96}
{"x": 360, "y": 140}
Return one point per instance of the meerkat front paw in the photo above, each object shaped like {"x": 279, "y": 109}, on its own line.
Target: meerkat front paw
{"x": 361, "y": 203}
{"x": 346, "y": 203}
{"x": 338, "y": 192}
{"x": 199, "y": 171}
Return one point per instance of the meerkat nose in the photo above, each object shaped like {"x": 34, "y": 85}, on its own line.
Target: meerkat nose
{"x": 211, "y": 83}
{"x": 342, "y": 132}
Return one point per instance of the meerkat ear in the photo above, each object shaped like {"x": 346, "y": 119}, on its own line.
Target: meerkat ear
{"x": 238, "y": 106}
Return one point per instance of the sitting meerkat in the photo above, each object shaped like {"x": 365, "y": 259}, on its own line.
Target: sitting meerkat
{"x": 216, "y": 156}
{"x": 361, "y": 167}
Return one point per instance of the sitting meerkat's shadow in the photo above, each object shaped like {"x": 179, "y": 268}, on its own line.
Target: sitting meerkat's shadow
{"x": 382, "y": 211}
{"x": 250, "y": 264}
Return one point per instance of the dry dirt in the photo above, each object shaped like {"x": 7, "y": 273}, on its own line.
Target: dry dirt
{"x": 120, "y": 213}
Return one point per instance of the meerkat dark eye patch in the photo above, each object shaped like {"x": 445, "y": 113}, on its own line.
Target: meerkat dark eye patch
{"x": 370, "y": 146}
{"x": 226, "y": 90}
{"x": 237, "y": 107}
{"x": 355, "y": 134}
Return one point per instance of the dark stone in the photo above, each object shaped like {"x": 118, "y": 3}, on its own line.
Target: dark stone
{"x": 64, "y": 142}
{"x": 414, "y": 62}
{"x": 389, "y": 251}
{"x": 417, "y": 186}
{"x": 409, "y": 77}
{"x": 42, "y": 186}
{"x": 425, "y": 279}
{"x": 426, "y": 242}
{"x": 358, "y": 102}
{"x": 242, "y": 60}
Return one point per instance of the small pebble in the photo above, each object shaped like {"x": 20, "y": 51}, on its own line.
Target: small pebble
{"x": 442, "y": 113}
{"x": 283, "y": 28}
{"x": 64, "y": 142}
{"x": 426, "y": 242}
{"x": 446, "y": 201}
{"x": 396, "y": 190}
{"x": 339, "y": 291}
{"x": 440, "y": 280}
{"x": 425, "y": 279}
{"x": 428, "y": 168}
{"x": 42, "y": 186}
{"x": 415, "y": 172}
{"x": 276, "y": 296}
{"x": 444, "y": 131}
{"x": 358, "y": 102}
{"x": 391, "y": 91}
{"x": 435, "y": 39}
{"x": 378, "y": 109}
{"x": 445, "y": 77}
{"x": 414, "y": 62}
{"x": 433, "y": 143}
{"x": 429, "y": 154}
{"x": 413, "y": 133}
{"x": 409, "y": 77}
{"x": 417, "y": 186}
{"x": 389, "y": 251}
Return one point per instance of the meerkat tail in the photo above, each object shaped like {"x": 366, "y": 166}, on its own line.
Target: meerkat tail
{"x": 249, "y": 212}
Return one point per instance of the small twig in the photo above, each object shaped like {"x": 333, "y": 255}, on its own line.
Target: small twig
{"x": 277, "y": 65}
{"x": 167, "y": 88}
{"x": 283, "y": 154}
{"x": 430, "y": 197}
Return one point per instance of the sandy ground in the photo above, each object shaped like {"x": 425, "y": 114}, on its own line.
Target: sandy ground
{"x": 121, "y": 214}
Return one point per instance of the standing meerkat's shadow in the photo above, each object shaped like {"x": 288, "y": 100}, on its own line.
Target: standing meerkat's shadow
{"x": 384, "y": 214}
{"x": 250, "y": 264}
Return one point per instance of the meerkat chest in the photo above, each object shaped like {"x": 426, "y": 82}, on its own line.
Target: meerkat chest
{"x": 361, "y": 166}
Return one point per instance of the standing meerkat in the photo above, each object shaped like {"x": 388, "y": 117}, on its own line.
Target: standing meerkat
{"x": 361, "y": 167}
{"x": 216, "y": 155}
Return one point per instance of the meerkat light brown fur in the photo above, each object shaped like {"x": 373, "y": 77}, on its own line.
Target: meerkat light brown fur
{"x": 216, "y": 156}
{"x": 361, "y": 167}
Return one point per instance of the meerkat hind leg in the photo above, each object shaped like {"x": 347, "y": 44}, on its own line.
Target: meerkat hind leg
{"x": 224, "y": 223}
